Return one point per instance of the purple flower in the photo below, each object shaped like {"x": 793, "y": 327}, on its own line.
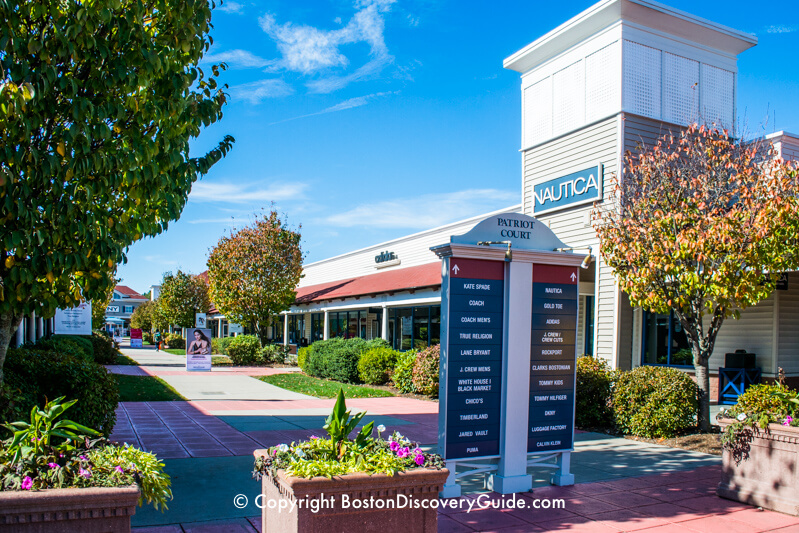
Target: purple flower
{"x": 417, "y": 451}
{"x": 119, "y": 469}
{"x": 419, "y": 459}
{"x": 52, "y": 465}
{"x": 394, "y": 446}
{"x": 83, "y": 458}
{"x": 27, "y": 483}
{"x": 402, "y": 453}
{"x": 85, "y": 473}
{"x": 788, "y": 420}
{"x": 314, "y": 437}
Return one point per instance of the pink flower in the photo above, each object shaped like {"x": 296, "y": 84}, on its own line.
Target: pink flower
{"x": 402, "y": 453}
{"x": 85, "y": 473}
{"x": 419, "y": 459}
{"x": 52, "y": 465}
{"x": 27, "y": 483}
{"x": 788, "y": 421}
{"x": 394, "y": 446}
{"x": 314, "y": 437}
{"x": 417, "y": 451}
{"x": 119, "y": 469}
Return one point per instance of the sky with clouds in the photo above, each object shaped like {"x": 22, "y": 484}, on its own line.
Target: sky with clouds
{"x": 367, "y": 120}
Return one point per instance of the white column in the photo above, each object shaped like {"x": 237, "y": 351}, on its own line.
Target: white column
{"x": 39, "y": 327}
{"x": 32, "y": 327}
{"x": 220, "y": 330}
{"x": 512, "y": 474}
{"x": 286, "y": 329}
{"x": 384, "y": 333}
{"x": 21, "y": 333}
{"x": 326, "y": 334}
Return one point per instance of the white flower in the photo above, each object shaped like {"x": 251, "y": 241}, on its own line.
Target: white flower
{"x": 381, "y": 428}
{"x": 300, "y": 454}
{"x": 283, "y": 447}
{"x": 742, "y": 417}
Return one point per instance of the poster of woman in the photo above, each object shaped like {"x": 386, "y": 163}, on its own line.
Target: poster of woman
{"x": 198, "y": 349}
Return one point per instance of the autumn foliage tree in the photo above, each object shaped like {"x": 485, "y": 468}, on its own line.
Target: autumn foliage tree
{"x": 98, "y": 103}
{"x": 696, "y": 224}
{"x": 253, "y": 272}
{"x": 182, "y": 295}
{"x": 142, "y": 317}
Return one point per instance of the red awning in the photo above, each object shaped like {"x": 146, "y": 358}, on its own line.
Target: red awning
{"x": 401, "y": 279}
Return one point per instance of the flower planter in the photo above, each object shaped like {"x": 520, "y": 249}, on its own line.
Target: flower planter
{"x": 352, "y": 503}
{"x": 90, "y": 510}
{"x": 768, "y": 475}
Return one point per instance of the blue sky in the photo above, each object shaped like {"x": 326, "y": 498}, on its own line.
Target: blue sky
{"x": 367, "y": 120}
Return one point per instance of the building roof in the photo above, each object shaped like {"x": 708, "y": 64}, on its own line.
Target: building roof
{"x": 127, "y": 292}
{"x": 400, "y": 279}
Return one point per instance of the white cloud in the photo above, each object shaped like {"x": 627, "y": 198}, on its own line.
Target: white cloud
{"x": 425, "y": 211}
{"x": 230, "y": 7}
{"x": 230, "y": 221}
{"x": 237, "y": 58}
{"x": 358, "y": 101}
{"x": 235, "y": 193}
{"x": 258, "y": 91}
{"x": 309, "y": 50}
{"x": 159, "y": 259}
{"x": 782, "y": 29}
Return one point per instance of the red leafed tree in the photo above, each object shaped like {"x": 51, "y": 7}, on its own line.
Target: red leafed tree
{"x": 253, "y": 273}
{"x": 696, "y": 225}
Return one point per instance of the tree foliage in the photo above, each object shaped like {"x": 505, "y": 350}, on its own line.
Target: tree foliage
{"x": 142, "y": 317}
{"x": 99, "y": 307}
{"x": 182, "y": 295}
{"x": 695, "y": 225}
{"x": 253, "y": 272}
{"x": 98, "y": 102}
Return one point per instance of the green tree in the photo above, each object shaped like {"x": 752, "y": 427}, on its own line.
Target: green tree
{"x": 695, "y": 225}
{"x": 98, "y": 102}
{"x": 142, "y": 317}
{"x": 252, "y": 273}
{"x": 182, "y": 295}
{"x": 99, "y": 306}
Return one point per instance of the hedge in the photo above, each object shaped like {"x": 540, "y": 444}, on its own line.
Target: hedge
{"x": 338, "y": 358}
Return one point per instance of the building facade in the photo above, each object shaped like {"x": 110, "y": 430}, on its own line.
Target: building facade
{"x": 117, "y": 314}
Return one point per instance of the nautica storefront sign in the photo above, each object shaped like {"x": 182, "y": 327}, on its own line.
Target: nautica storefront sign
{"x": 577, "y": 188}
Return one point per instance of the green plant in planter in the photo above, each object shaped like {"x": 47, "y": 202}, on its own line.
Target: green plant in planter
{"x": 339, "y": 455}
{"x": 47, "y": 453}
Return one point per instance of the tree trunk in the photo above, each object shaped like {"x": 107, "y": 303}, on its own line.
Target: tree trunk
{"x": 703, "y": 381}
{"x": 8, "y": 326}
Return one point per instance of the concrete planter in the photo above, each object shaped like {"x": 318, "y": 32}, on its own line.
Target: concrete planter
{"x": 353, "y": 503}
{"x": 769, "y": 475}
{"x": 90, "y": 510}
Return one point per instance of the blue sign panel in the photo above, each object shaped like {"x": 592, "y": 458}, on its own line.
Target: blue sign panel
{"x": 579, "y": 187}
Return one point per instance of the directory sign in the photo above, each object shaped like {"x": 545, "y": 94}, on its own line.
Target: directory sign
{"x": 474, "y": 358}
{"x": 552, "y": 358}
{"x": 136, "y": 338}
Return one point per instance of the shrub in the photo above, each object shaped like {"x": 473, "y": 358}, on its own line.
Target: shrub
{"x": 175, "y": 340}
{"x": 593, "y": 394}
{"x": 244, "y": 350}
{"x": 83, "y": 341}
{"x": 655, "y": 402}
{"x": 274, "y": 353}
{"x": 403, "y": 372}
{"x": 63, "y": 345}
{"x": 376, "y": 365}
{"x": 764, "y": 405}
{"x": 219, "y": 345}
{"x": 302, "y": 354}
{"x": 45, "y": 375}
{"x": 147, "y": 337}
{"x": 104, "y": 351}
{"x": 425, "y": 370}
{"x": 338, "y": 358}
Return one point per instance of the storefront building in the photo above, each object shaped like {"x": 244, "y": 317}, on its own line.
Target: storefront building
{"x": 620, "y": 74}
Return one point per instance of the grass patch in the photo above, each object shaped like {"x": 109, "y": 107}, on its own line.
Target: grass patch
{"x": 175, "y": 351}
{"x": 221, "y": 360}
{"x": 145, "y": 389}
{"x": 321, "y": 388}
{"x": 125, "y": 360}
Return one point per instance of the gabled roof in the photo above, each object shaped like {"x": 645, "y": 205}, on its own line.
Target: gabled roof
{"x": 401, "y": 279}
{"x": 127, "y": 292}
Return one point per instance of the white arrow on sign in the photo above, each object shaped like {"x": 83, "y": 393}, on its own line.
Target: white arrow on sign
{"x": 455, "y": 269}
{"x": 573, "y": 276}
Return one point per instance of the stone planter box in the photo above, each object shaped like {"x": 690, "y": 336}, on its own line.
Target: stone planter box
{"x": 90, "y": 510}
{"x": 353, "y": 503}
{"x": 769, "y": 476}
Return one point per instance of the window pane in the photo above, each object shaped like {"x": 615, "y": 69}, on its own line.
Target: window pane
{"x": 405, "y": 329}
{"x": 421, "y": 333}
{"x": 435, "y": 324}
{"x": 656, "y": 348}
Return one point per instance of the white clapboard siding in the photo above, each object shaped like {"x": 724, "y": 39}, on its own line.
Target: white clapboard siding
{"x": 753, "y": 332}
{"x": 788, "y": 352}
{"x": 411, "y": 250}
{"x": 579, "y": 341}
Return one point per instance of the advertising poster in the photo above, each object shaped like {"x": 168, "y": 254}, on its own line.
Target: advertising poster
{"x": 135, "y": 338}
{"x": 199, "y": 320}
{"x": 198, "y": 349}
{"x": 75, "y": 321}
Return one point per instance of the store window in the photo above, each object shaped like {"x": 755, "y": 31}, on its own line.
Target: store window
{"x": 589, "y": 326}
{"x": 664, "y": 341}
{"x": 414, "y": 327}
{"x": 317, "y": 327}
{"x": 296, "y": 329}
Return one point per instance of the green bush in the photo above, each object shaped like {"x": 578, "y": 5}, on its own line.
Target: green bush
{"x": 655, "y": 402}
{"x": 45, "y": 375}
{"x": 338, "y": 358}
{"x": 62, "y": 344}
{"x": 376, "y": 365}
{"x": 403, "y": 372}
{"x": 219, "y": 345}
{"x": 175, "y": 340}
{"x": 147, "y": 336}
{"x": 83, "y": 341}
{"x": 274, "y": 353}
{"x": 593, "y": 394}
{"x": 244, "y": 350}
{"x": 105, "y": 353}
{"x": 302, "y": 354}
{"x": 761, "y": 403}
{"x": 425, "y": 370}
